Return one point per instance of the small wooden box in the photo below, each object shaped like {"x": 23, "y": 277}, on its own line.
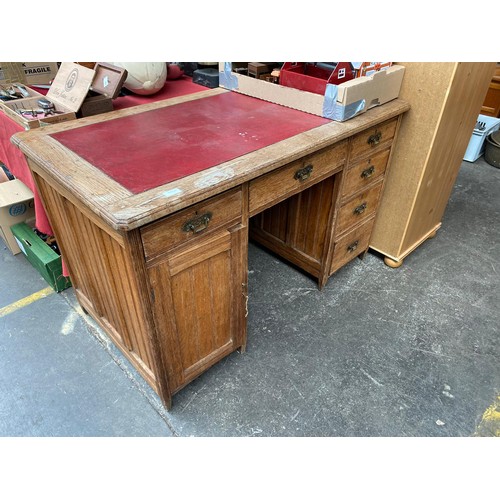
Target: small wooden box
{"x": 10, "y": 107}
{"x": 106, "y": 85}
{"x": 256, "y": 69}
{"x": 108, "y": 79}
{"x": 68, "y": 91}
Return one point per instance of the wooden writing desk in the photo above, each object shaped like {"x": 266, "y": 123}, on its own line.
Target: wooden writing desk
{"x": 153, "y": 221}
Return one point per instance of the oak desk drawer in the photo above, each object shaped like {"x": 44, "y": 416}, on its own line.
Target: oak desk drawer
{"x": 358, "y": 209}
{"x": 365, "y": 172}
{"x": 274, "y": 187}
{"x": 351, "y": 245}
{"x": 187, "y": 224}
{"x": 367, "y": 141}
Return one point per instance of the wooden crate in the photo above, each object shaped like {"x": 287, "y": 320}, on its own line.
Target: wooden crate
{"x": 68, "y": 91}
{"x": 76, "y": 91}
{"x": 11, "y": 107}
{"x": 29, "y": 90}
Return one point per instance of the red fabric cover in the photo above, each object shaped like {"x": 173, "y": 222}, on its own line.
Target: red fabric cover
{"x": 172, "y": 88}
{"x": 150, "y": 149}
{"x": 16, "y": 163}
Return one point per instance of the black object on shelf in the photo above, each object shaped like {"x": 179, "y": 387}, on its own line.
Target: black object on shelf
{"x": 208, "y": 77}
{"x": 188, "y": 67}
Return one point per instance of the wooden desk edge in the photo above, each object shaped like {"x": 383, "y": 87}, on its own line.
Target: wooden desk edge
{"x": 125, "y": 211}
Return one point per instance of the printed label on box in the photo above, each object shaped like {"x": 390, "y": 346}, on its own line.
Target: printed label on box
{"x": 17, "y": 209}
{"x": 36, "y": 70}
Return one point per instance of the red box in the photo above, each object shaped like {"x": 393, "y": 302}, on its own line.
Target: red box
{"x": 313, "y": 77}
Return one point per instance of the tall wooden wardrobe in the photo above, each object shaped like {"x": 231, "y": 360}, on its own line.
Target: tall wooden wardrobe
{"x": 445, "y": 101}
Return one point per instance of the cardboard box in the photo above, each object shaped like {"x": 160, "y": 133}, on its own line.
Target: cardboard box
{"x": 41, "y": 256}
{"x": 29, "y": 73}
{"x": 16, "y": 205}
{"x": 339, "y": 103}
{"x": 3, "y": 175}
{"x": 40, "y": 73}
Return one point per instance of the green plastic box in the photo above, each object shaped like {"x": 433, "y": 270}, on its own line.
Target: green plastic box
{"x": 41, "y": 256}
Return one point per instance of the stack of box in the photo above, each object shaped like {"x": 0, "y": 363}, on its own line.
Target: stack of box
{"x": 17, "y": 221}
{"x": 16, "y": 205}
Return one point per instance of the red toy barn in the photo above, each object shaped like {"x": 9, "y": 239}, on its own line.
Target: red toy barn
{"x": 313, "y": 77}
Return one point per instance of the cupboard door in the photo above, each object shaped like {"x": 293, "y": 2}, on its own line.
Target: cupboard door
{"x": 199, "y": 301}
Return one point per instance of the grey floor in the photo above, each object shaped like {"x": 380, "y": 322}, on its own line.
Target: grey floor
{"x": 412, "y": 351}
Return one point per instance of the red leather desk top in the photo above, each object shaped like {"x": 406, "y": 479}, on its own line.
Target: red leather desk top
{"x": 152, "y": 148}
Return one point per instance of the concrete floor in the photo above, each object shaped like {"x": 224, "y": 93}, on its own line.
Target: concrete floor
{"x": 412, "y": 351}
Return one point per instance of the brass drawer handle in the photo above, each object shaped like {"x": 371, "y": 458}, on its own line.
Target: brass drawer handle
{"x": 353, "y": 246}
{"x": 374, "y": 139}
{"x": 360, "y": 209}
{"x": 303, "y": 173}
{"x": 197, "y": 224}
{"x": 368, "y": 172}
